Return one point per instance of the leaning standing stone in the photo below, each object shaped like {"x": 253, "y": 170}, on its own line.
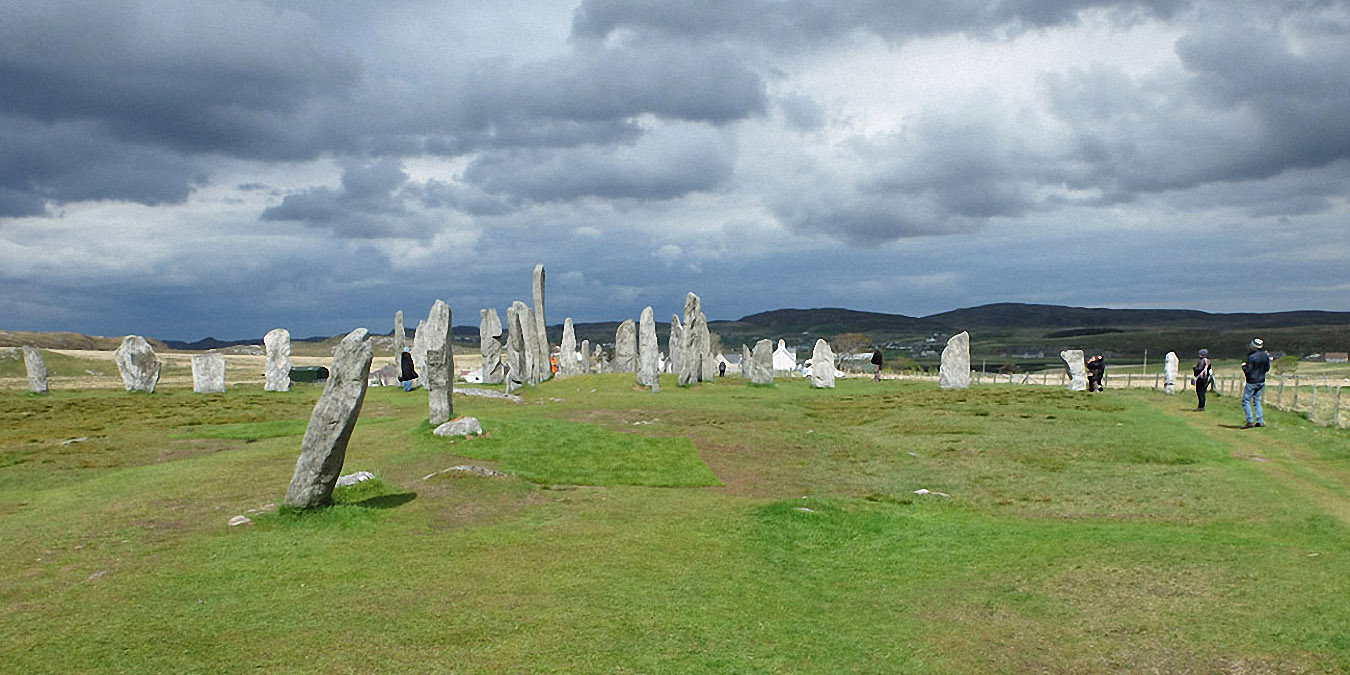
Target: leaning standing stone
{"x": 625, "y": 348}
{"x": 648, "y": 353}
{"x": 138, "y": 364}
{"x": 1170, "y": 365}
{"x": 330, "y": 426}
{"x": 1073, "y": 360}
{"x": 761, "y": 363}
{"x": 955, "y": 370}
{"x": 208, "y": 374}
{"x": 822, "y": 365}
{"x": 36, "y": 367}
{"x": 439, "y": 366}
{"x": 278, "y": 343}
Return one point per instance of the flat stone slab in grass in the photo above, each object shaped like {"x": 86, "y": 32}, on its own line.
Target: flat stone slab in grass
{"x": 488, "y": 393}
{"x": 463, "y": 426}
{"x": 467, "y": 469}
{"x": 354, "y": 478}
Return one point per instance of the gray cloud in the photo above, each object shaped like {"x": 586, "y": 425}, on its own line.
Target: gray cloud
{"x": 370, "y": 203}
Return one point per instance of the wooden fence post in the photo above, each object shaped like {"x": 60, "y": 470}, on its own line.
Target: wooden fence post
{"x": 1279, "y": 395}
{"x": 1295, "y": 404}
{"x": 1336, "y": 409}
{"x": 1312, "y": 413}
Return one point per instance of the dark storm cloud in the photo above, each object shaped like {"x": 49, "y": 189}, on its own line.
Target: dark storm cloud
{"x": 370, "y": 203}
{"x": 664, "y": 165}
{"x": 794, "y": 24}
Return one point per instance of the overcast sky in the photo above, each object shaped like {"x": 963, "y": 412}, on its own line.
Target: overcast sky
{"x": 182, "y": 169}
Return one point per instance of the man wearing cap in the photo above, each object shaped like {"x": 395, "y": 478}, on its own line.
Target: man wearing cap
{"x": 1204, "y": 372}
{"x": 1255, "y": 368}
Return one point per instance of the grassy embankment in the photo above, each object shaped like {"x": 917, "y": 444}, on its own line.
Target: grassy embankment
{"x": 721, "y": 529}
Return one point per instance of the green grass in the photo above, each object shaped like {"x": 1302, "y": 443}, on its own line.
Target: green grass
{"x": 1107, "y": 533}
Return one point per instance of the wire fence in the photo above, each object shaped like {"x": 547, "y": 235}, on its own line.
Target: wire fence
{"x": 1318, "y": 398}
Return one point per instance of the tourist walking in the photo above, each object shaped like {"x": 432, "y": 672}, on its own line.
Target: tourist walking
{"x": 1204, "y": 372}
{"x": 406, "y": 373}
{"x": 876, "y": 365}
{"x": 1255, "y": 368}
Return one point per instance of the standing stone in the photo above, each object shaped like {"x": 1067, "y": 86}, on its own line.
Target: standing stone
{"x": 1073, "y": 360}
{"x": 489, "y": 329}
{"x": 691, "y": 353}
{"x": 745, "y": 362}
{"x": 208, "y": 374}
{"x": 675, "y": 345}
{"x": 138, "y": 364}
{"x": 419, "y": 354}
{"x": 567, "y": 351}
{"x": 515, "y": 347}
{"x": 400, "y": 335}
{"x": 439, "y": 374}
{"x": 761, "y": 363}
{"x": 278, "y": 344}
{"x": 648, "y": 353}
{"x": 1170, "y": 365}
{"x": 330, "y": 425}
{"x": 530, "y": 334}
{"x": 625, "y": 347}
{"x": 36, "y": 367}
{"x": 601, "y": 364}
{"x": 822, "y": 365}
{"x": 585, "y": 363}
{"x": 955, "y": 370}
{"x": 542, "y": 370}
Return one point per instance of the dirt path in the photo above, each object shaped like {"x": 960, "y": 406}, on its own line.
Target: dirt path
{"x": 1277, "y": 451}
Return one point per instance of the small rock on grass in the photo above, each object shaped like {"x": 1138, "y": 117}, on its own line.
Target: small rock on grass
{"x": 240, "y": 520}
{"x": 354, "y": 478}
{"x": 461, "y": 426}
{"x": 468, "y": 469}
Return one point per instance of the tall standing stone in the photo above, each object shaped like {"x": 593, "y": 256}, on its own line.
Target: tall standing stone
{"x": 691, "y": 353}
{"x": 1170, "y": 366}
{"x": 515, "y": 347}
{"x": 675, "y": 344}
{"x": 745, "y": 362}
{"x": 542, "y": 370}
{"x": 822, "y": 365}
{"x": 1073, "y": 360}
{"x": 568, "y": 365}
{"x": 586, "y": 363}
{"x": 439, "y": 374}
{"x": 955, "y": 370}
{"x": 400, "y": 335}
{"x": 278, "y": 344}
{"x": 137, "y": 362}
{"x": 489, "y": 329}
{"x": 761, "y": 363}
{"x": 528, "y": 330}
{"x": 36, "y": 367}
{"x": 330, "y": 425}
{"x": 601, "y": 364}
{"x": 648, "y": 352}
{"x": 208, "y": 374}
{"x": 625, "y": 348}
{"x": 419, "y": 353}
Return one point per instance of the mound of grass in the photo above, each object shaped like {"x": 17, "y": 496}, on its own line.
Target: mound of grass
{"x": 557, "y": 452}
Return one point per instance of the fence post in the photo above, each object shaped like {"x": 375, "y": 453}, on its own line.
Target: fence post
{"x": 1312, "y": 414}
{"x": 1279, "y": 395}
{"x": 1336, "y": 409}
{"x": 1295, "y": 404}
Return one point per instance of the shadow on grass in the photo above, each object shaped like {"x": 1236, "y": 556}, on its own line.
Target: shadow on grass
{"x": 385, "y": 501}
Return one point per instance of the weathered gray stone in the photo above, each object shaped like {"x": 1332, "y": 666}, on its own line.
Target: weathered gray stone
{"x": 239, "y": 520}
{"x": 528, "y": 331}
{"x": 648, "y": 353}
{"x": 745, "y": 362}
{"x": 1170, "y": 366}
{"x": 598, "y": 357}
{"x": 515, "y": 348}
{"x": 208, "y": 374}
{"x": 489, "y": 329}
{"x": 324, "y": 447}
{"x": 761, "y": 363}
{"x": 542, "y": 371}
{"x": 400, "y": 334}
{"x": 955, "y": 370}
{"x": 822, "y": 365}
{"x": 354, "y": 478}
{"x": 487, "y": 393}
{"x": 691, "y": 353}
{"x": 439, "y": 374}
{"x": 675, "y": 344}
{"x": 36, "y": 367}
{"x": 1073, "y": 360}
{"x": 568, "y": 364}
{"x": 278, "y": 344}
{"x": 464, "y": 426}
{"x": 137, "y": 362}
{"x": 419, "y": 354}
{"x": 625, "y": 348}
{"x": 587, "y": 359}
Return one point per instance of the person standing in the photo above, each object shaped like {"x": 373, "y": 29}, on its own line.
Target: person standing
{"x": 1204, "y": 372}
{"x": 1096, "y": 368}
{"x": 876, "y": 365}
{"x": 1255, "y": 368}
{"x": 406, "y": 372}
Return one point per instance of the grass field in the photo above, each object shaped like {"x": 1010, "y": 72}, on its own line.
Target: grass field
{"x": 720, "y": 529}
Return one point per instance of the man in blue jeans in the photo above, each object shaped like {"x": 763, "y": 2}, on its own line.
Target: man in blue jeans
{"x": 1255, "y": 368}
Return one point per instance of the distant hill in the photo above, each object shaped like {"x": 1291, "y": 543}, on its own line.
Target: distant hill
{"x": 19, "y": 338}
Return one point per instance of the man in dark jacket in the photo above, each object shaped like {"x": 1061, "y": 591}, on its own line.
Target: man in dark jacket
{"x": 1096, "y": 368}
{"x": 406, "y": 373}
{"x": 876, "y": 365}
{"x": 1255, "y": 368}
{"x": 1204, "y": 372}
